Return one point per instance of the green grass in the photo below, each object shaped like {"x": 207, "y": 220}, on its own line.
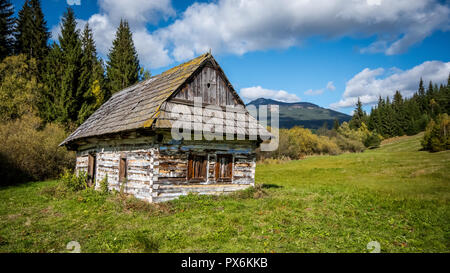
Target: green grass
{"x": 396, "y": 195}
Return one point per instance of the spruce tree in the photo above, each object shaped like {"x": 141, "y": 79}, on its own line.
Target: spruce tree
{"x": 421, "y": 96}
{"x": 123, "y": 64}
{"x": 372, "y": 122}
{"x": 31, "y": 33}
{"x": 51, "y": 100}
{"x": 413, "y": 114}
{"x": 378, "y": 116}
{"x": 446, "y": 97}
{"x": 70, "y": 44}
{"x": 400, "y": 122}
{"x": 336, "y": 124}
{"x": 22, "y": 34}
{"x": 91, "y": 78}
{"x": 359, "y": 116}
{"x": 388, "y": 119}
{"x": 41, "y": 35}
{"x": 6, "y": 28}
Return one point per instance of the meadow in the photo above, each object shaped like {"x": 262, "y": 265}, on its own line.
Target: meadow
{"x": 395, "y": 195}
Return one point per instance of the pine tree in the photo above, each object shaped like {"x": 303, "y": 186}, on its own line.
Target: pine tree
{"x": 412, "y": 111}
{"x": 372, "y": 122}
{"x": 359, "y": 116}
{"x": 51, "y": 101}
{"x": 6, "y": 28}
{"x": 91, "y": 78}
{"x": 400, "y": 122}
{"x": 421, "y": 96}
{"x": 388, "y": 119}
{"x": 31, "y": 34}
{"x": 41, "y": 35}
{"x": 70, "y": 43}
{"x": 446, "y": 97}
{"x": 336, "y": 124}
{"x": 123, "y": 64}
{"x": 379, "y": 116}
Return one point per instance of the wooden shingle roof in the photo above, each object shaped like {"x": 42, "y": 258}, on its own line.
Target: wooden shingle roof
{"x": 138, "y": 106}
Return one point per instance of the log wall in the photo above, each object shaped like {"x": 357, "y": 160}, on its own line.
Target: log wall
{"x": 173, "y": 160}
{"x": 158, "y": 172}
{"x": 140, "y": 168}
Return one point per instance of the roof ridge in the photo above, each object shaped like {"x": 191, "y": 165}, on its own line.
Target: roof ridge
{"x": 162, "y": 73}
{"x": 123, "y": 116}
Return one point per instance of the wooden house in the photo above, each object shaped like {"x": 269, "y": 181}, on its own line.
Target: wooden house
{"x": 130, "y": 140}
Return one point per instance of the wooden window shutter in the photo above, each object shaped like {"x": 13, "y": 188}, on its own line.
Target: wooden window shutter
{"x": 224, "y": 168}
{"x": 230, "y": 167}
{"x": 91, "y": 170}
{"x": 217, "y": 169}
{"x": 197, "y": 166}
{"x": 190, "y": 171}
{"x": 204, "y": 167}
{"x": 122, "y": 168}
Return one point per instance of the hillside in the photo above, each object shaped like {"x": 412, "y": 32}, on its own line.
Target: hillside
{"x": 305, "y": 114}
{"x": 397, "y": 196}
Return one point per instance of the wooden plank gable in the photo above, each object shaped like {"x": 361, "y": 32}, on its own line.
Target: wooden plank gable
{"x": 211, "y": 86}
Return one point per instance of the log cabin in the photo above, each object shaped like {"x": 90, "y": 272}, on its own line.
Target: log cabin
{"x": 130, "y": 139}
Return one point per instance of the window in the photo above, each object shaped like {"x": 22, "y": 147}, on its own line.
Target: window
{"x": 224, "y": 168}
{"x": 122, "y": 168}
{"x": 91, "y": 170}
{"x": 197, "y": 165}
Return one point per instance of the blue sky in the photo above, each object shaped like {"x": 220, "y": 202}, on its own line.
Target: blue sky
{"x": 325, "y": 52}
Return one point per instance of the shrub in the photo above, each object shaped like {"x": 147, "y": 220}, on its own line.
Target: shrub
{"x": 437, "y": 134}
{"x": 30, "y": 151}
{"x": 74, "y": 182}
{"x": 104, "y": 185}
{"x": 349, "y": 133}
{"x": 299, "y": 142}
{"x": 348, "y": 144}
{"x": 372, "y": 141}
{"x": 326, "y": 145}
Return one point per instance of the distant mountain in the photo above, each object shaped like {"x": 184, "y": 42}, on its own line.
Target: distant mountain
{"x": 306, "y": 114}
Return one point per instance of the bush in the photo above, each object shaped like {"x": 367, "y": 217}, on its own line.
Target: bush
{"x": 104, "y": 185}
{"x": 301, "y": 142}
{"x": 437, "y": 134}
{"x": 372, "y": 141}
{"x": 29, "y": 152}
{"x": 348, "y": 144}
{"x": 349, "y": 133}
{"x": 73, "y": 181}
{"x": 298, "y": 142}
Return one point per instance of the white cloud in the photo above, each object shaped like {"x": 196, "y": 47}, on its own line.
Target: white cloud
{"x": 256, "y": 92}
{"x": 137, "y": 12}
{"x": 369, "y": 84}
{"x": 236, "y": 26}
{"x": 330, "y": 86}
{"x": 311, "y": 92}
{"x": 240, "y": 26}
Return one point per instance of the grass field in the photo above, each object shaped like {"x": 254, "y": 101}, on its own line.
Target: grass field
{"x": 395, "y": 195}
